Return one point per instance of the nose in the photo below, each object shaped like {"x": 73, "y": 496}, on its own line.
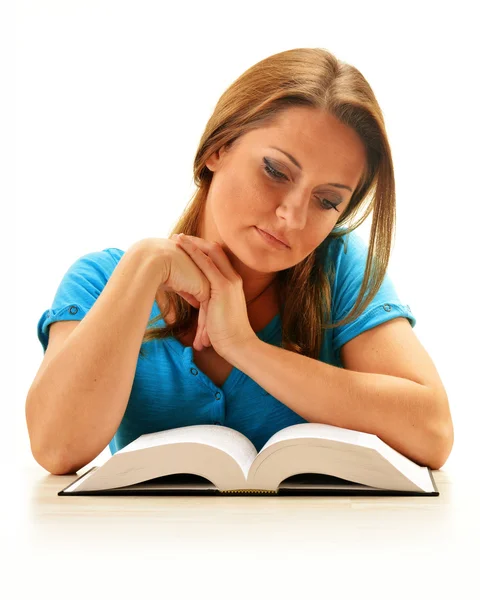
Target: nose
{"x": 294, "y": 209}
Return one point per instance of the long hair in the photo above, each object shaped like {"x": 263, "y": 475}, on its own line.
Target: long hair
{"x": 300, "y": 77}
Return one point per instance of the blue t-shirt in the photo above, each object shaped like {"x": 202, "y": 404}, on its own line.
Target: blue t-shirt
{"x": 170, "y": 391}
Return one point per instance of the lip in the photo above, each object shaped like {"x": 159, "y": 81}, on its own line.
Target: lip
{"x": 271, "y": 238}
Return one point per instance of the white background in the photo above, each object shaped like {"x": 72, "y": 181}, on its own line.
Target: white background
{"x": 110, "y": 99}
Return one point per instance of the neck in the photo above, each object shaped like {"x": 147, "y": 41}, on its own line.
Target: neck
{"x": 261, "y": 293}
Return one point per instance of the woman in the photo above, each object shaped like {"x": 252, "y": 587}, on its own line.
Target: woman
{"x": 260, "y": 333}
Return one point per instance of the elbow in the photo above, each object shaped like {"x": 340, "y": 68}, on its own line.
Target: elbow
{"x": 57, "y": 462}
{"x": 439, "y": 430}
{"x": 55, "y": 467}
{"x": 51, "y": 462}
{"x": 44, "y": 454}
{"x": 443, "y": 444}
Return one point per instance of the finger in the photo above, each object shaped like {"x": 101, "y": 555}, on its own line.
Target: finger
{"x": 210, "y": 257}
{"x": 205, "y": 339}
{"x": 204, "y": 335}
{"x": 201, "y": 338}
{"x": 200, "y": 327}
{"x": 196, "y": 342}
{"x": 204, "y": 262}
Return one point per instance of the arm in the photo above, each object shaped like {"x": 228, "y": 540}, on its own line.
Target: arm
{"x": 77, "y": 402}
{"x": 397, "y": 410}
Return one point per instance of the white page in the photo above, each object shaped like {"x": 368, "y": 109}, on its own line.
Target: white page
{"x": 418, "y": 474}
{"x": 226, "y": 439}
{"x": 323, "y": 431}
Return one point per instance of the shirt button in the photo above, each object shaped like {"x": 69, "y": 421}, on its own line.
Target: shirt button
{"x": 193, "y": 371}
{"x": 387, "y": 307}
{"x": 73, "y": 310}
{"x": 218, "y": 395}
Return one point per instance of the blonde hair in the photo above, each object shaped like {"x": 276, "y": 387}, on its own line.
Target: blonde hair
{"x": 301, "y": 77}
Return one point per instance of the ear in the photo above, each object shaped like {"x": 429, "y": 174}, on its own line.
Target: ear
{"x": 215, "y": 159}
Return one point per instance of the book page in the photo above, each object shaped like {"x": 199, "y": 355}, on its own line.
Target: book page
{"x": 350, "y": 455}
{"x": 230, "y": 441}
{"x": 322, "y": 431}
{"x": 419, "y": 475}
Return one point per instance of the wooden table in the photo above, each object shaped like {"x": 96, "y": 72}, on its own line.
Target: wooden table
{"x": 388, "y": 547}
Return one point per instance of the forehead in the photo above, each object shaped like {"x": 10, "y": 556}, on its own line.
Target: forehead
{"x": 310, "y": 126}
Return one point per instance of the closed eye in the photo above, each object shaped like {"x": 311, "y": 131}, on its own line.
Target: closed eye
{"x": 277, "y": 175}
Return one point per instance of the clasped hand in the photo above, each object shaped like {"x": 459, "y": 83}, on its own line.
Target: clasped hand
{"x": 223, "y": 318}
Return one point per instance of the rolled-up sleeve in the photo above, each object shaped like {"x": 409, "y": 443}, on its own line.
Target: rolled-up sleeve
{"x": 349, "y": 272}
{"x": 78, "y": 290}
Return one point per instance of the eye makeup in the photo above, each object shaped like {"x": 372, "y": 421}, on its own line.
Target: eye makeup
{"x": 281, "y": 177}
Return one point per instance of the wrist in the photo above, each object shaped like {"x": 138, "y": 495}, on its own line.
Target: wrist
{"x": 155, "y": 253}
{"x": 240, "y": 352}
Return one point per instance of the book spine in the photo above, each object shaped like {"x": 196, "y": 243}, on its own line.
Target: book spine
{"x": 248, "y": 492}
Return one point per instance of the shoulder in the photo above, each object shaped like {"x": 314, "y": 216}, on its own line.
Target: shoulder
{"x": 348, "y": 244}
{"x": 106, "y": 257}
{"x": 344, "y": 254}
{"x": 100, "y": 263}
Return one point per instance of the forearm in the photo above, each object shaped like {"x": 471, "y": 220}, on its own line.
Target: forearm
{"x": 76, "y": 404}
{"x": 399, "y": 411}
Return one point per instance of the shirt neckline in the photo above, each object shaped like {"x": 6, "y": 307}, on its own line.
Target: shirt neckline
{"x": 186, "y": 354}
{"x": 264, "y": 334}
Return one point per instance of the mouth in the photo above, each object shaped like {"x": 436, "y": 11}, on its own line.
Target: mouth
{"x": 271, "y": 239}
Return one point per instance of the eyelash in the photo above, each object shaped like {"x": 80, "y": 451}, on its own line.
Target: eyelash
{"x": 271, "y": 172}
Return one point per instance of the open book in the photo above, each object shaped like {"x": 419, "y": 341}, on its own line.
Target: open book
{"x": 307, "y": 458}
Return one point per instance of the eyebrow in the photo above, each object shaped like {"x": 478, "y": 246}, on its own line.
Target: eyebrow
{"x": 296, "y": 163}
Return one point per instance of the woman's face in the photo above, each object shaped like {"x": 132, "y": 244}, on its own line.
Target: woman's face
{"x": 255, "y": 185}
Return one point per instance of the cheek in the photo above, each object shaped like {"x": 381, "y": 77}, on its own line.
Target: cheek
{"x": 228, "y": 188}
{"x": 236, "y": 199}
